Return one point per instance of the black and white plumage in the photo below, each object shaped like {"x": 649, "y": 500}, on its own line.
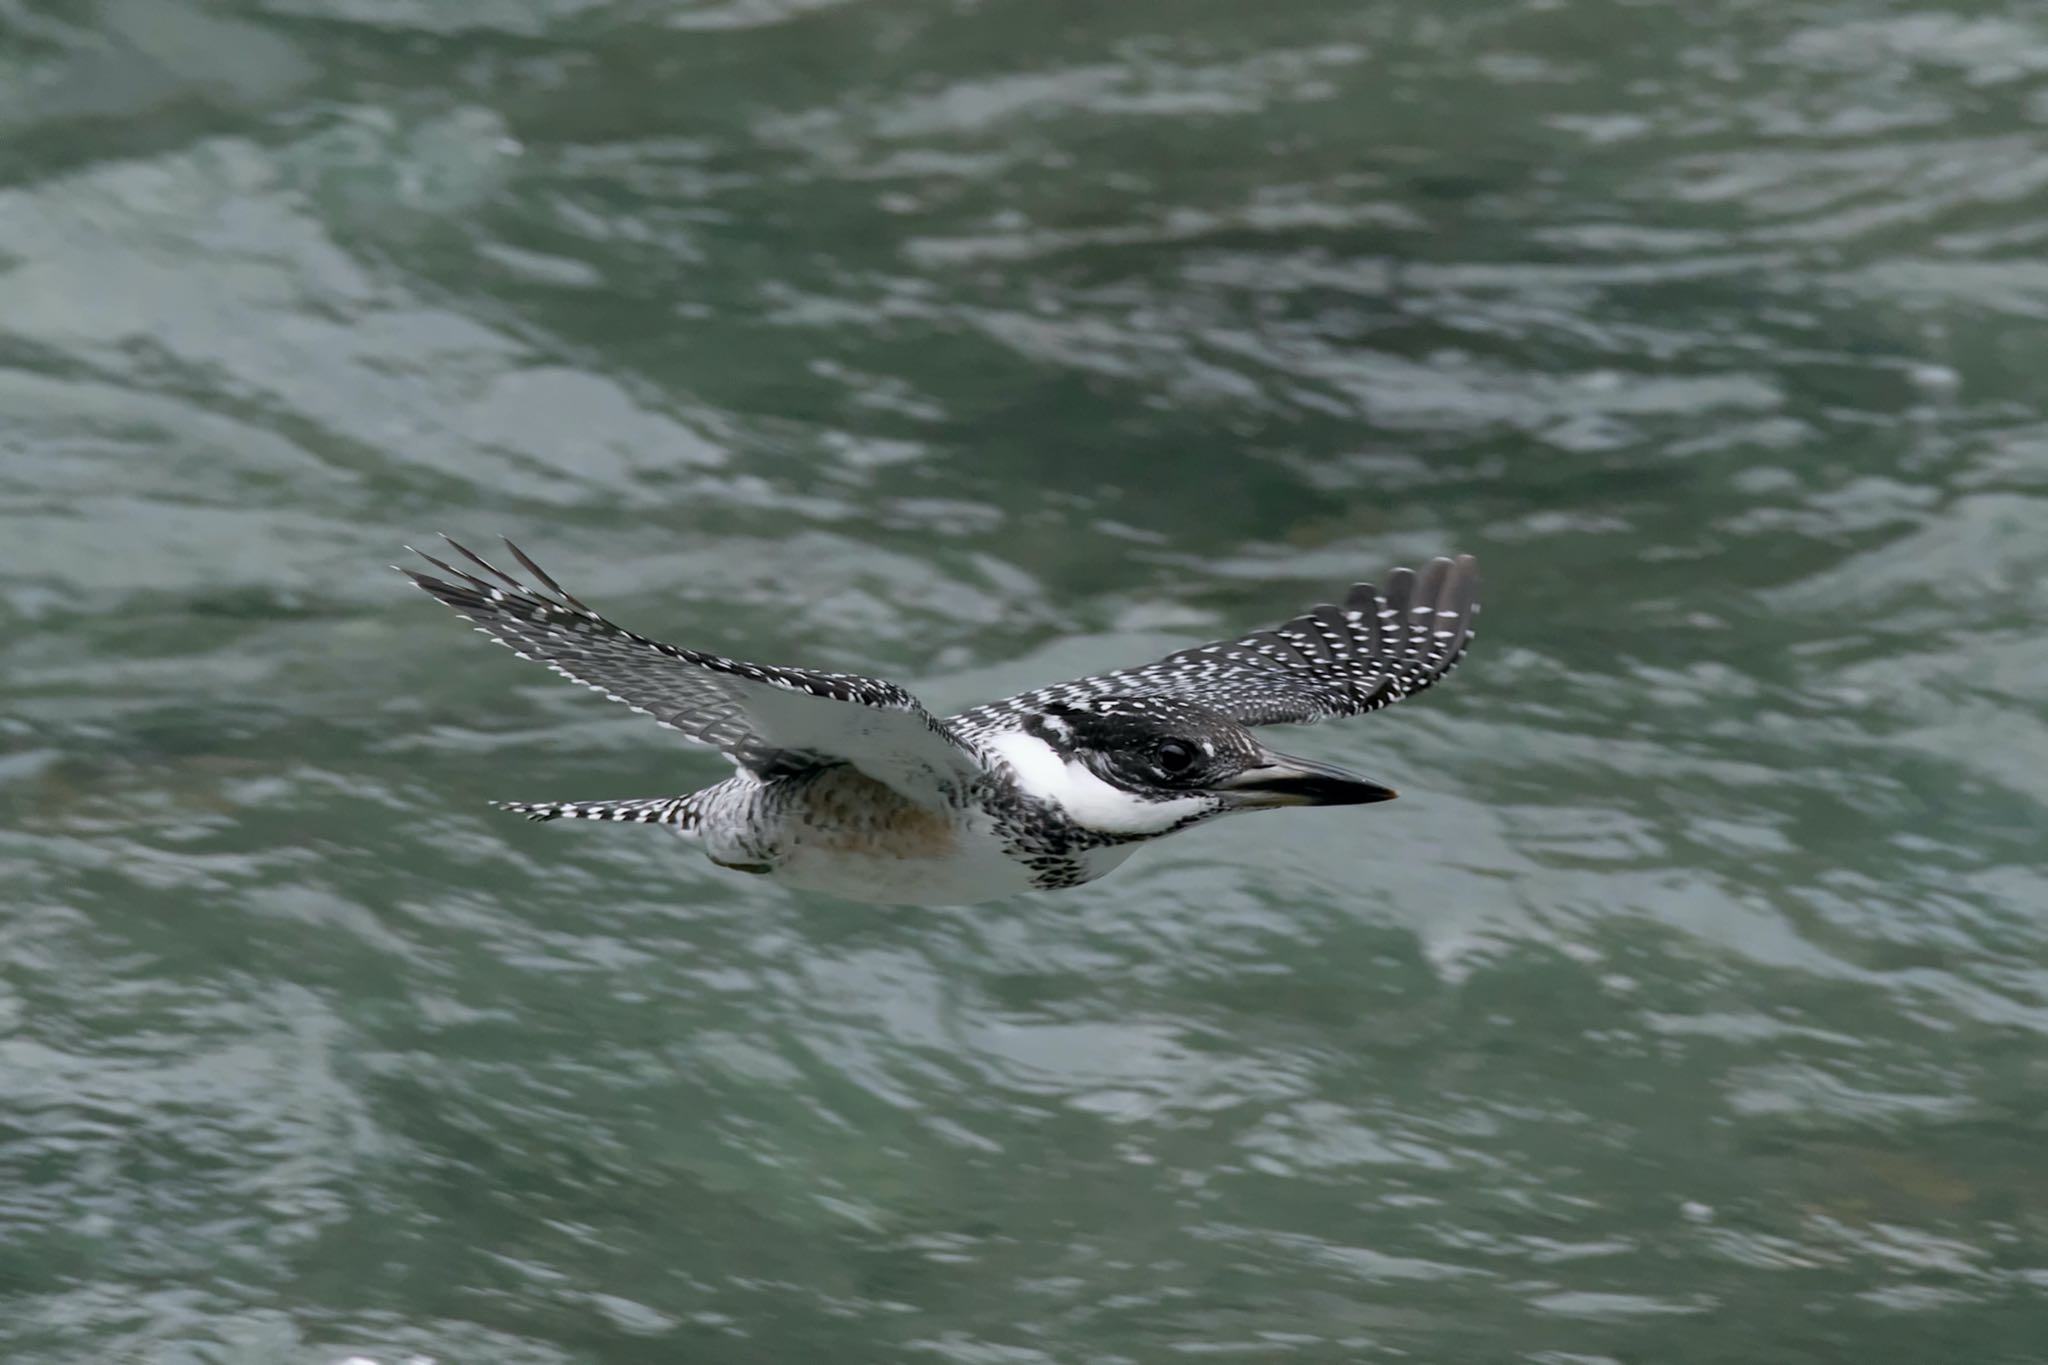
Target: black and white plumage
{"x": 1377, "y": 648}
{"x": 847, "y": 784}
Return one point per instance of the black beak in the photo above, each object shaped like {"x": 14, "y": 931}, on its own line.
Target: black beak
{"x": 1284, "y": 781}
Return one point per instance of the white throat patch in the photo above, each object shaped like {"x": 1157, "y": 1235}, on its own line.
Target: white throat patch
{"x": 1088, "y": 801}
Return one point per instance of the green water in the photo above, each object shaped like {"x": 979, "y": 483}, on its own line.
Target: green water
{"x": 1689, "y": 1007}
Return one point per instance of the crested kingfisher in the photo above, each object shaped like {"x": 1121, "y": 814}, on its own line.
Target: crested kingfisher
{"x": 846, "y": 784}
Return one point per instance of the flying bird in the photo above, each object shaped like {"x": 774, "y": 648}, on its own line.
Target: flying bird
{"x": 847, "y": 785}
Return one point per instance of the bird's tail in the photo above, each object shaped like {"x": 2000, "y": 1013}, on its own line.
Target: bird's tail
{"x": 678, "y": 811}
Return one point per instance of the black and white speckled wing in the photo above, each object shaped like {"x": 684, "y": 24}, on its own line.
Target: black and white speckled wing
{"x": 1381, "y": 645}
{"x": 764, "y": 718}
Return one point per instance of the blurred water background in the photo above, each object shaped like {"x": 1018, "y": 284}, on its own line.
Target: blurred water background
{"x": 1690, "y": 1006}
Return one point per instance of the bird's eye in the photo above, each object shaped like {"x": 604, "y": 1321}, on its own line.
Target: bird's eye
{"x": 1175, "y": 756}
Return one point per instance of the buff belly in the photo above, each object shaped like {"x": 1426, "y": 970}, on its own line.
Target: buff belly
{"x": 957, "y": 880}
{"x": 843, "y": 833}
{"x": 897, "y": 852}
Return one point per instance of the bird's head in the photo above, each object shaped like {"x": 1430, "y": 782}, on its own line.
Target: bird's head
{"x": 1139, "y": 766}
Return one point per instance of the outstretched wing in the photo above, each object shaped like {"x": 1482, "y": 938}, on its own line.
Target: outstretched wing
{"x": 1382, "y": 645}
{"x": 768, "y": 719}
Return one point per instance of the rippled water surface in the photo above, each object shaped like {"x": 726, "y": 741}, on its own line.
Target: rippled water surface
{"x": 1690, "y": 1007}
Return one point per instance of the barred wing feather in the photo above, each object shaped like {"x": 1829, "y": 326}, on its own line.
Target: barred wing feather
{"x": 1381, "y": 645}
{"x": 767, "y": 719}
